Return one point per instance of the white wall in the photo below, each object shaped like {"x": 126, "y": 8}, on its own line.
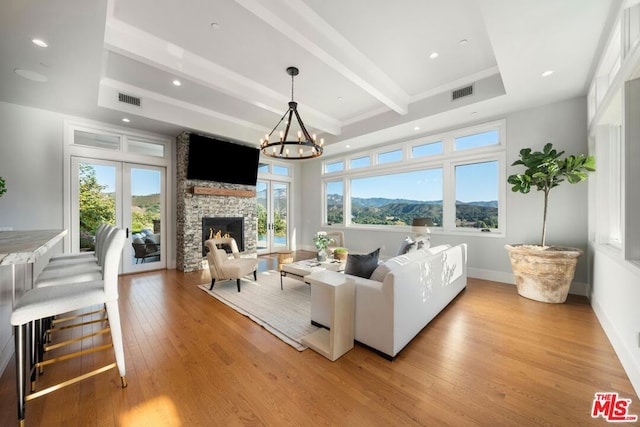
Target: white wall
{"x": 615, "y": 297}
{"x": 565, "y": 125}
{"x": 31, "y": 164}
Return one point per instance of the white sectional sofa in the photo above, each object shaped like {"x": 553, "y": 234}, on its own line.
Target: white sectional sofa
{"x": 409, "y": 292}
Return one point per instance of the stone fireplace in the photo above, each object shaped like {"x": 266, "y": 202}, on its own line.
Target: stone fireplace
{"x": 197, "y": 201}
{"x": 216, "y": 227}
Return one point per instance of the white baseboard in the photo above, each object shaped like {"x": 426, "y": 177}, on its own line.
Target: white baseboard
{"x": 619, "y": 346}
{"x": 494, "y": 276}
{"x": 577, "y": 288}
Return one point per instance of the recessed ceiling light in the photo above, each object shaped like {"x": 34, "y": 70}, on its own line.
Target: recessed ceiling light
{"x": 416, "y": 128}
{"x": 126, "y": 120}
{"x": 463, "y": 41}
{"x": 473, "y": 113}
{"x": 547, "y": 73}
{"x": 434, "y": 55}
{"x": 215, "y": 26}
{"x": 39, "y": 42}
{"x": 31, "y": 75}
{"x": 177, "y": 82}
{"x": 347, "y": 146}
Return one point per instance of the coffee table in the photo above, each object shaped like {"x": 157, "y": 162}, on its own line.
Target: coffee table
{"x": 308, "y": 266}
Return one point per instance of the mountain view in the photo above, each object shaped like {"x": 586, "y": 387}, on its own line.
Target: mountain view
{"x": 382, "y": 211}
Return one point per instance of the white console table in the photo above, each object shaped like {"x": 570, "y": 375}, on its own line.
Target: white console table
{"x": 338, "y": 340}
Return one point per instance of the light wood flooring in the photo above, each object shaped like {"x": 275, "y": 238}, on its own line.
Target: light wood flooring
{"x": 491, "y": 358}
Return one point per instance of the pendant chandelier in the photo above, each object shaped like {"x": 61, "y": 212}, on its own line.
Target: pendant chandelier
{"x": 300, "y": 148}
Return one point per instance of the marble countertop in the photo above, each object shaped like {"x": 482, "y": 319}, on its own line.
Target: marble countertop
{"x": 20, "y": 247}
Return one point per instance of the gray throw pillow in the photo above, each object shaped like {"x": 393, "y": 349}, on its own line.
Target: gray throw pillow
{"x": 362, "y": 265}
{"x": 406, "y": 245}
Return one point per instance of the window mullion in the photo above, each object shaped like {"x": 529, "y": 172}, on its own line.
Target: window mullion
{"x": 449, "y": 197}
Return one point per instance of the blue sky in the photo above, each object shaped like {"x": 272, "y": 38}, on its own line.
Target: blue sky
{"x": 474, "y": 182}
{"x": 143, "y": 181}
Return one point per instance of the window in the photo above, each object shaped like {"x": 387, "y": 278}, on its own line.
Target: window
{"x": 445, "y": 179}
{"x": 83, "y": 137}
{"x": 360, "y": 162}
{"x": 430, "y": 149}
{"x": 390, "y": 157}
{"x": 615, "y": 186}
{"x": 334, "y": 202}
{"x": 477, "y": 140}
{"x": 280, "y": 170}
{"x": 476, "y": 195}
{"x": 334, "y": 167}
{"x": 148, "y": 148}
{"x": 263, "y": 168}
{"x": 94, "y": 140}
{"x": 395, "y": 199}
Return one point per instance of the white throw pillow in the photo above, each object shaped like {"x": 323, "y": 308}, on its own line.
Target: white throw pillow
{"x": 380, "y": 272}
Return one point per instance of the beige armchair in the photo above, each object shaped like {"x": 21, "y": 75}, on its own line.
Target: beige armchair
{"x": 222, "y": 267}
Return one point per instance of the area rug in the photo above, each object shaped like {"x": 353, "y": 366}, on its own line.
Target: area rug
{"x": 285, "y": 313}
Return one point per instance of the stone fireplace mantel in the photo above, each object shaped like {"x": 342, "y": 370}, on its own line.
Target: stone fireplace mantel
{"x": 197, "y": 199}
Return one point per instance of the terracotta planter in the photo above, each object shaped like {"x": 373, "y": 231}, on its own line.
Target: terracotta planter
{"x": 543, "y": 273}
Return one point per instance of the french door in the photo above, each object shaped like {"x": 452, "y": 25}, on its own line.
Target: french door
{"x": 273, "y": 215}
{"x": 128, "y": 195}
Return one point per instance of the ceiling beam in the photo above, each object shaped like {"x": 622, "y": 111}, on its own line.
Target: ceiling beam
{"x": 141, "y": 46}
{"x": 302, "y": 25}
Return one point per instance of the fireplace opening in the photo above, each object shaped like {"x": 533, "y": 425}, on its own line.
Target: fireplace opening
{"x": 215, "y": 227}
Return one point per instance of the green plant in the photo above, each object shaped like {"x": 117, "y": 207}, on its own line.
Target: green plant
{"x": 3, "y": 186}
{"x": 322, "y": 241}
{"x": 545, "y": 170}
{"x": 340, "y": 251}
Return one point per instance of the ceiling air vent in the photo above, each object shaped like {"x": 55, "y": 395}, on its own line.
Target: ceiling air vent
{"x": 128, "y": 99}
{"x": 462, "y": 92}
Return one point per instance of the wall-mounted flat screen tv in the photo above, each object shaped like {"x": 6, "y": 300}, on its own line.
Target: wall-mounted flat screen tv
{"x": 212, "y": 159}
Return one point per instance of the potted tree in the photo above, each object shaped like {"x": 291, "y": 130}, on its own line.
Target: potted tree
{"x": 544, "y": 273}
{"x": 3, "y": 186}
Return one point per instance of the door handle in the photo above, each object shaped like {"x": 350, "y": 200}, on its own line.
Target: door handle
{"x": 127, "y": 232}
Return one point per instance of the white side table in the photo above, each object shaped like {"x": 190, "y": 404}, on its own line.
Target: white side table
{"x": 338, "y": 340}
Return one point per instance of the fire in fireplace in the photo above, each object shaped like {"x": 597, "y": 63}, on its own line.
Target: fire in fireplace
{"x": 213, "y": 227}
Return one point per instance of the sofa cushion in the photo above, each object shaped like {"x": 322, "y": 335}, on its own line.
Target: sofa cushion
{"x": 396, "y": 262}
{"x": 362, "y": 265}
{"x": 434, "y": 250}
